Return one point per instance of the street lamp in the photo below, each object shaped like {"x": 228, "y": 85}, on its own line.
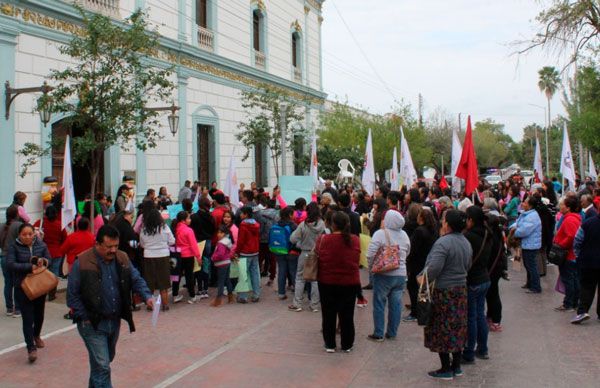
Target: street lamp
{"x": 547, "y": 128}
{"x": 12, "y": 93}
{"x": 173, "y": 118}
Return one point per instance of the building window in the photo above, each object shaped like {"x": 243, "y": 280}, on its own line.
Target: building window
{"x": 258, "y": 38}
{"x": 203, "y": 25}
{"x": 297, "y": 56}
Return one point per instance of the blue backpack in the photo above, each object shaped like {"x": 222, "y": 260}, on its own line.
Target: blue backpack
{"x": 279, "y": 239}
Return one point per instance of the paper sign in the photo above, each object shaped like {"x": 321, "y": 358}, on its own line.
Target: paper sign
{"x": 294, "y": 187}
{"x": 156, "y": 310}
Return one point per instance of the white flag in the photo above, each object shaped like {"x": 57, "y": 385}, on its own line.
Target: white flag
{"x": 395, "y": 184}
{"x": 456, "y": 154}
{"x": 567, "y": 169}
{"x": 592, "y": 169}
{"x": 368, "y": 175}
{"x": 538, "y": 170}
{"x": 314, "y": 163}
{"x": 69, "y": 206}
{"x": 407, "y": 168}
{"x": 231, "y": 187}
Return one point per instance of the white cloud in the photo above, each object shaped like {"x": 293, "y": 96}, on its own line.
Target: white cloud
{"x": 455, "y": 53}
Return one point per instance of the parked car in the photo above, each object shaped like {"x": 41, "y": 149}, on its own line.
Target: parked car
{"x": 493, "y": 179}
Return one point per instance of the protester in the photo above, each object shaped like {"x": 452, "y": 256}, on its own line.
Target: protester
{"x": 587, "y": 206}
{"x": 155, "y": 239}
{"x": 222, "y": 261}
{"x": 98, "y": 219}
{"x": 19, "y": 200}
{"x": 7, "y": 231}
{"x": 447, "y": 264}
{"x": 99, "y": 292}
{"x": 299, "y": 211}
{"x": 305, "y": 237}
{"x": 247, "y": 247}
{"x": 164, "y": 198}
{"x": 280, "y": 246}
{"x": 121, "y": 200}
{"x": 528, "y": 228}
{"x": 497, "y": 268}
{"x": 267, "y": 216}
{"x": 53, "y": 236}
{"x": 25, "y": 255}
{"x": 338, "y": 279}
{"x": 185, "y": 192}
{"x": 564, "y": 238}
{"x": 511, "y": 208}
{"x": 586, "y": 247}
{"x": 420, "y": 245}
{"x": 203, "y": 227}
{"x": 186, "y": 242}
{"x": 478, "y": 284}
{"x": 388, "y": 286}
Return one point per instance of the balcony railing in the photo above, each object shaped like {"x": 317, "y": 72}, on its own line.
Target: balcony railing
{"x": 297, "y": 74}
{"x": 259, "y": 60}
{"x": 105, "y": 7}
{"x": 206, "y": 38}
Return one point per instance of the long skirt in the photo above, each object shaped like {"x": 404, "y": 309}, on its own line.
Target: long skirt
{"x": 447, "y": 330}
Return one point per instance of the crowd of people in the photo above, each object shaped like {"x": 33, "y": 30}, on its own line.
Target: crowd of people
{"x": 459, "y": 246}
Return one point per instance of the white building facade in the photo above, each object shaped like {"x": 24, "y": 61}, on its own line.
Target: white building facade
{"x": 217, "y": 47}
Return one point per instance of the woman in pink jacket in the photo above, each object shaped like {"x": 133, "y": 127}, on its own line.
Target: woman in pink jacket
{"x": 185, "y": 240}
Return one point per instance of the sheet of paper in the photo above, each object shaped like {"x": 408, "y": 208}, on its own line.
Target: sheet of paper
{"x": 156, "y": 310}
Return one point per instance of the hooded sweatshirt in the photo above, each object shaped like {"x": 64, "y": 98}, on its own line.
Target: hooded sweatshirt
{"x": 393, "y": 223}
{"x": 305, "y": 236}
{"x": 222, "y": 254}
{"x": 248, "y": 238}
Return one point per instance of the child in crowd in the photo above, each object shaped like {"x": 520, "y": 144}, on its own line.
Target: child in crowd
{"x": 280, "y": 246}
{"x": 247, "y": 248}
{"x": 222, "y": 261}
{"x": 186, "y": 242}
{"x": 300, "y": 210}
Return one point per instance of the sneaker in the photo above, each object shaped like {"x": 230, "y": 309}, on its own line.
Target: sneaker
{"x": 193, "y": 300}
{"x": 294, "y": 308}
{"x": 496, "y": 327}
{"x": 314, "y": 309}
{"x": 580, "y": 318}
{"x": 562, "y": 308}
{"x": 16, "y": 314}
{"x": 409, "y": 318}
{"x": 482, "y": 356}
{"x": 457, "y": 372}
{"x": 441, "y": 375}
{"x": 389, "y": 337}
{"x": 467, "y": 361}
{"x": 349, "y": 350}
{"x": 330, "y": 350}
{"x": 282, "y": 297}
{"x": 375, "y": 338}
{"x": 255, "y": 300}
{"x": 9, "y": 312}
{"x": 177, "y": 298}
{"x": 362, "y": 303}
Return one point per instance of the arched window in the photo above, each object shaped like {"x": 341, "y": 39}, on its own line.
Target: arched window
{"x": 297, "y": 56}
{"x": 258, "y": 38}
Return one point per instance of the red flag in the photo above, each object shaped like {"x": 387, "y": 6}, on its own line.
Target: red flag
{"x": 467, "y": 167}
{"x": 443, "y": 183}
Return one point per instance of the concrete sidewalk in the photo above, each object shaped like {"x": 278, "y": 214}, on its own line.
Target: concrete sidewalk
{"x": 265, "y": 345}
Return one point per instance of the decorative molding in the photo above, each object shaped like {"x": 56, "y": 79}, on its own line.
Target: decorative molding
{"x": 315, "y": 4}
{"x": 306, "y": 9}
{"x": 29, "y": 16}
{"x": 259, "y": 4}
{"x": 320, "y": 19}
{"x": 296, "y": 26}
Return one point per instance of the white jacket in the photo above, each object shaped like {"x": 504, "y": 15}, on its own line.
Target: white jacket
{"x": 157, "y": 245}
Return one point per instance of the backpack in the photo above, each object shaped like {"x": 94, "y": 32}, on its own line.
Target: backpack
{"x": 279, "y": 239}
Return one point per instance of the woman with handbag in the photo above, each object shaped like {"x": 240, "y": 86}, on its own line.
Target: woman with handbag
{"x": 446, "y": 268}
{"x": 387, "y": 260}
{"x": 24, "y": 256}
{"x": 563, "y": 240}
{"x": 339, "y": 281}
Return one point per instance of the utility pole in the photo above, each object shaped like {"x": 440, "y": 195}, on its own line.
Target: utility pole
{"x": 420, "y": 110}
{"x": 581, "y": 170}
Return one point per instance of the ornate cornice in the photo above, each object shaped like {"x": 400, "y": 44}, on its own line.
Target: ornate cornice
{"x": 306, "y": 9}
{"x": 315, "y": 4}
{"x": 259, "y": 4}
{"x": 296, "y": 26}
{"x": 320, "y": 19}
{"x": 29, "y": 16}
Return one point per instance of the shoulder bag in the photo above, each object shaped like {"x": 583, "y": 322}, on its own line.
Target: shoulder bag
{"x": 311, "y": 263}
{"x": 387, "y": 257}
{"x": 557, "y": 255}
{"x": 424, "y": 301}
{"x": 39, "y": 282}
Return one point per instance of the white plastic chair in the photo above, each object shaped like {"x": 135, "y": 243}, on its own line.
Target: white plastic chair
{"x": 345, "y": 168}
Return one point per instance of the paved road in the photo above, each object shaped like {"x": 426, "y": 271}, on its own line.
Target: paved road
{"x": 264, "y": 345}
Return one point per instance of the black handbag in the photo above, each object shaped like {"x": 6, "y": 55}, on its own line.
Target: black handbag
{"x": 424, "y": 301}
{"x": 557, "y": 255}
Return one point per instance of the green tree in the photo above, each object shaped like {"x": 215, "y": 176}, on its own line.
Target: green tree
{"x": 582, "y": 102}
{"x": 548, "y": 82}
{"x": 492, "y": 144}
{"x": 263, "y": 122}
{"x": 106, "y": 90}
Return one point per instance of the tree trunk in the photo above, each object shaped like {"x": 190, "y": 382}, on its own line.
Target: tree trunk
{"x": 94, "y": 174}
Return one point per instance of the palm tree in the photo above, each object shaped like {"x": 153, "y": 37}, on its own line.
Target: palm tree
{"x": 548, "y": 83}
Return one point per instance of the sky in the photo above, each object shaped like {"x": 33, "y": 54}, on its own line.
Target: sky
{"x": 457, "y": 54}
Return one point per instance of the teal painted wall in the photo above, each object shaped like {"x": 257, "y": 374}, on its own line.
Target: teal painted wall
{"x": 182, "y": 132}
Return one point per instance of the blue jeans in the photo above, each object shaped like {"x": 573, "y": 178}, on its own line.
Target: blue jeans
{"x": 570, "y": 278}
{"x": 530, "y": 263}
{"x": 477, "y": 327}
{"x": 101, "y": 345}
{"x": 9, "y": 287}
{"x": 253, "y": 275}
{"x": 223, "y": 280}
{"x": 54, "y": 265}
{"x": 387, "y": 289}
{"x": 288, "y": 265}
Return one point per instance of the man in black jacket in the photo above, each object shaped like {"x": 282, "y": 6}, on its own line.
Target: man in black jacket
{"x": 587, "y": 251}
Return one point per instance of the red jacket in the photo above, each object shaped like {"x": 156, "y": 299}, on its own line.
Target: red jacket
{"x": 54, "y": 235}
{"x": 186, "y": 241}
{"x": 338, "y": 262}
{"x": 566, "y": 233}
{"x": 77, "y": 242}
{"x": 248, "y": 238}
